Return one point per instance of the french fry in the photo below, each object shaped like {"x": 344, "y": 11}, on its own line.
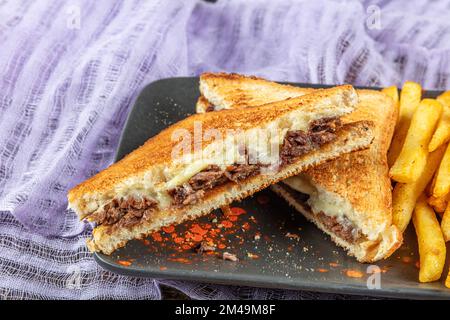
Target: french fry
{"x": 442, "y": 184}
{"x": 447, "y": 281}
{"x": 412, "y": 159}
{"x": 445, "y": 224}
{"x": 432, "y": 250}
{"x": 409, "y": 101}
{"x": 431, "y": 185}
{"x": 405, "y": 195}
{"x": 442, "y": 133}
{"x": 438, "y": 204}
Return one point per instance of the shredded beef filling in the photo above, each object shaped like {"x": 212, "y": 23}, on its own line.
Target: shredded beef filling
{"x": 208, "y": 178}
{"x": 127, "y": 213}
{"x": 296, "y": 143}
{"x": 124, "y": 213}
{"x": 342, "y": 229}
{"x": 193, "y": 190}
{"x": 239, "y": 172}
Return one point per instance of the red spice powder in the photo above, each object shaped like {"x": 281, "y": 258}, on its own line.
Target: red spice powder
{"x": 180, "y": 260}
{"x": 227, "y": 224}
{"x": 125, "y": 263}
{"x": 184, "y": 238}
{"x": 197, "y": 229}
{"x": 178, "y": 240}
{"x": 334, "y": 264}
{"x": 237, "y": 211}
{"x": 156, "y": 236}
{"x": 354, "y": 273}
{"x": 197, "y": 237}
{"x": 168, "y": 229}
{"x": 188, "y": 235}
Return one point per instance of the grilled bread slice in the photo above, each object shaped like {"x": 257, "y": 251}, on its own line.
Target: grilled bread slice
{"x": 348, "y": 198}
{"x": 174, "y": 176}
{"x": 230, "y": 91}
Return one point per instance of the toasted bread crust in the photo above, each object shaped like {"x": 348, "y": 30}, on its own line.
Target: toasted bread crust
{"x": 235, "y": 90}
{"x": 360, "y": 177}
{"x": 351, "y": 137}
{"x": 202, "y": 105}
{"x": 366, "y": 252}
{"x": 157, "y": 151}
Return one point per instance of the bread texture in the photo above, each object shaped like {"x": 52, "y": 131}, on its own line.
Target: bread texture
{"x": 229, "y": 91}
{"x": 366, "y": 251}
{"x": 362, "y": 178}
{"x": 358, "y": 181}
{"x": 351, "y": 137}
{"x": 153, "y": 170}
{"x": 155, "y": 159}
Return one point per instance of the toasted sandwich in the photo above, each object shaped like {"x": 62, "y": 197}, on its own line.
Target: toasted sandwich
{"x": 231, "y": 91}
{"x": 174, "y": 176}
{"x": 349, "y": 198}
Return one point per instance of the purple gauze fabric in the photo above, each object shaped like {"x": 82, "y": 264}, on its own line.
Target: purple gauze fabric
{"x": 69, "y": 72}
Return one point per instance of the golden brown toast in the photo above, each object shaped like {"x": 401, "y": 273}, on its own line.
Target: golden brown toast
{"x": 159, "y": 148}
{"x": 354, "y": 136}
{"x": 152, "y": 173}
{"x": 365, "y": 251}
{"x": 229, "y": 91}
{"x": 359, "y": 178}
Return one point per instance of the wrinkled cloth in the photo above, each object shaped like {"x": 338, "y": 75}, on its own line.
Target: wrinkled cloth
{"x": 71, "y": 70}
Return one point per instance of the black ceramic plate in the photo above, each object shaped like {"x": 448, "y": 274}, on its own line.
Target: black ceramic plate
{"x": 280, "y": 249}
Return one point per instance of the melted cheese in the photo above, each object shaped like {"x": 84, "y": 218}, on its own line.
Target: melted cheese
{"x": 186, "y": 174}
{"x": 262, "y": 144}
{"x": 330, "y": 204}
{"x": 301, "y": 184}
{"x": 319, "y": 199}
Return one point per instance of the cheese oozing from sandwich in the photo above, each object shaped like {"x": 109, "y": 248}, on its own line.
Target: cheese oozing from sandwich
{"x": 263, "y": 143}
{"x": 322, "y": 202}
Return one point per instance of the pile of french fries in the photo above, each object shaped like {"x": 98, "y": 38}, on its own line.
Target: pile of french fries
{"x": 419, "y": 161}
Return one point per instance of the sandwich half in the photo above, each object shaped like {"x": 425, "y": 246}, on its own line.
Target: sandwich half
{"x": 349, "y": 198}
{"x": 181, "y": 174}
